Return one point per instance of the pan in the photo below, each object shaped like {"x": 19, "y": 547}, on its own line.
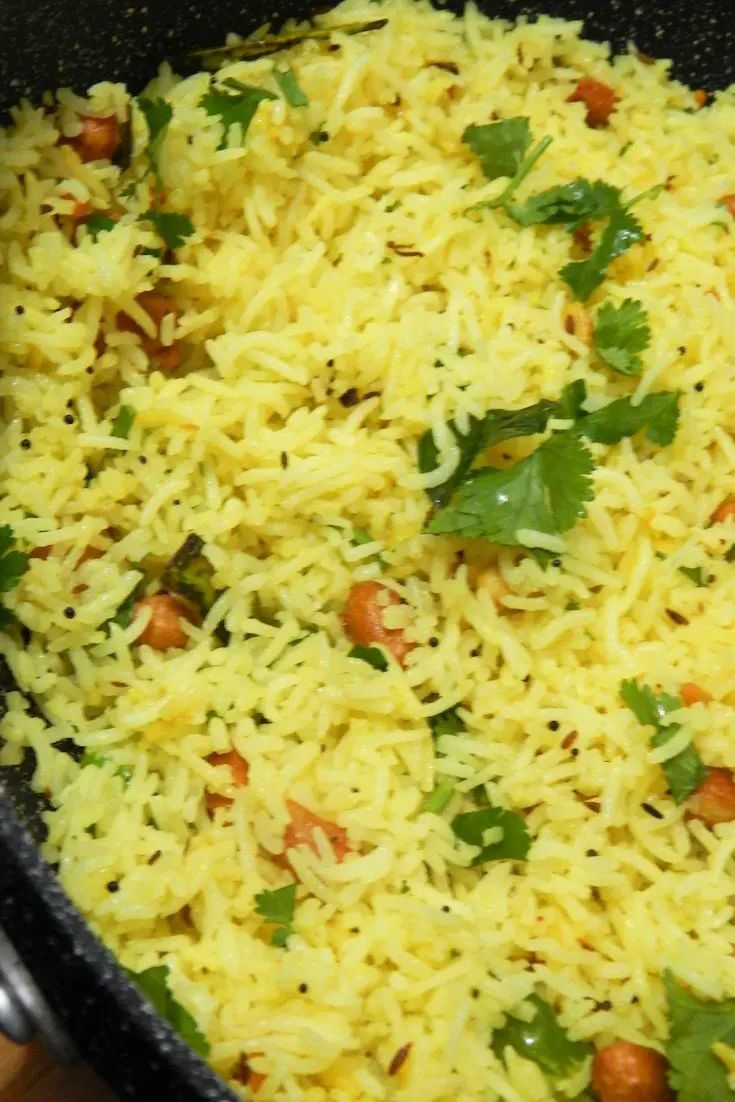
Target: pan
{"x": 54, "y": 974}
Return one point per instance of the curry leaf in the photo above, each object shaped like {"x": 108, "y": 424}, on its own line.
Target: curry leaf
{"x": 472, "y": 826}
{"x": 542, "y": 1039}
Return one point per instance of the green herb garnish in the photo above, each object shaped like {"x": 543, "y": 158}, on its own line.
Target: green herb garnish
{"x": 91, "y": 757}
{"x": 686, "y": 770}
{"x": 497, "y": 426}
{"x": 123, "y": 422}
{"x": 695, "y": 574}
{"x": 438, "y": 798}
{"x": 277, "y": 907}
{"x": 657, "y": 413}
{"x": 171, "y": 227}
{"x": 234, "y": 108}
{"x": 581, "y": 201}
{"x": 96, "y": 223}
{"x": 293, "y": 93}
{"x": 361, "y": 536}
{"x": 447, "y": 723}
{"x": 374, "y": 656}
{"x": 542, "y": 1040}
{"x": 546, "y": 492}
{"x": 472, "y": 826}
{"x": 584, "y": 276}
{"x": 503, "y": 150}
{"x": 621, "y": 335}
{"x": 13, "y": 565}
{"x": 570, "y": 204}
{"x": 696, "y": 1074}
{"x": 190, "y": 574}
{"x": 158, "y": 115}
{"x": 153, "y": 983}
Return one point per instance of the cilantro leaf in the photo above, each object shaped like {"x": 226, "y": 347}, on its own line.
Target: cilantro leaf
{"x": 695, "y": 574}
{"x": 153, "y": 983}
{"x": 8, "y": 619}
{"x": 13, "y": 564}
{"x": 472, "y": 825}
{"x": 237, "y": 107}
{"x": 123, "y": 422}
{"x": 584, "y": 276}
{"x": 621, "y": 335}
{"x": 658, "y": 413}
{"x": 438, "y": 798}
{"x": 685, "y": 771}
{"x": 447, "y": 723}
{"x": 500, "y": 146}
{"x": 171, "y": 227}
{"x": 542, "y": 1040}
{"x": 277, "y": 908}
{"x": 91, "y": 757}
{"x": 571, "y": 204}
{"x": 573, "y": 397}
{"x": 99, "y": 223}
{"x": 293, "y": 93}
{"x": 545, "y": 492}
{"x": 696, "y": 1074}
{"x": 494, "y": 428}
{"x": 374, "y": 656}
{"x": 158, "y": 115}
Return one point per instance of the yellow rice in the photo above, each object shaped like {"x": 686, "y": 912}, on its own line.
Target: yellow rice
{"x": 290, "y": 296}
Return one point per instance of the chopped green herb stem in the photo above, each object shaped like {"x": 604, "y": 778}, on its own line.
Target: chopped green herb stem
{"x": 293, "y": 93}
{"x": 438, "y": 798}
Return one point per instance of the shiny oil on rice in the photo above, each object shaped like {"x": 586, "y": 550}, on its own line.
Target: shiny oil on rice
{"x": 290, "y": 296}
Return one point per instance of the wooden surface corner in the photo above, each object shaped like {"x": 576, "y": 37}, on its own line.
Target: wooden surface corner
{"x": 29, "y": 1074}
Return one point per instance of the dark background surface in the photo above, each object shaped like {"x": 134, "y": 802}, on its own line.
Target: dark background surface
{"x": 48, "y": 43}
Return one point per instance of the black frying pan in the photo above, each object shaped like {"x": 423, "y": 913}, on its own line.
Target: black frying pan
{"x": 48, "y": 43}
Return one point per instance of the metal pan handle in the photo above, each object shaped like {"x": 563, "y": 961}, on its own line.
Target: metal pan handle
{"x": 23, "y": 1010}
